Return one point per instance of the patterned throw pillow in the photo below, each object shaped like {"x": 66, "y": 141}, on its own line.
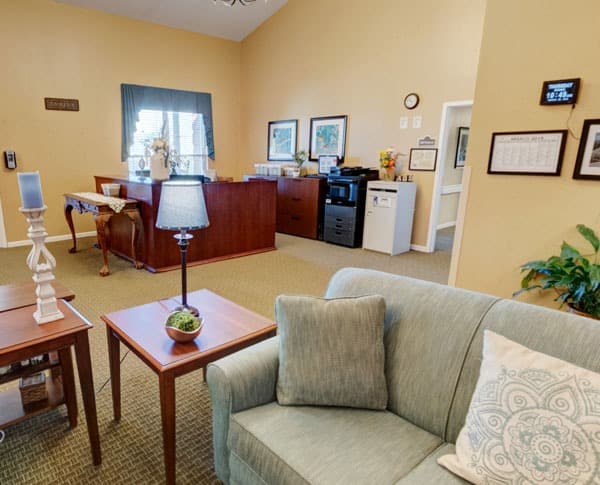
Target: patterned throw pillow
{"x": 533, "y": 419}
{"x": 331, "y": 351}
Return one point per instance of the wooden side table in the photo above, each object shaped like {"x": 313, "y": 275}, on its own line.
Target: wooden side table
{"x": 22, "y": 338}
{"x": 227, "y": 328}
{"x": 17, "y": 295}
{"x": 96, "y": 204}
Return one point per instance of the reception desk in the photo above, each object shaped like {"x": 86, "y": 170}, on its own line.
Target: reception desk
{"x": 242, "y": 219}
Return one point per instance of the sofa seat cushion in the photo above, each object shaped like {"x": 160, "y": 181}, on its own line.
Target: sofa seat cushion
{"x": 326, "y": 445}
{"x": 430, "y": 471}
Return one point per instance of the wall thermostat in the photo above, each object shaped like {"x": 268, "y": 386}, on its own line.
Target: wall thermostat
{"x": 10, "y": 159}
{"x": 562, "y": 91}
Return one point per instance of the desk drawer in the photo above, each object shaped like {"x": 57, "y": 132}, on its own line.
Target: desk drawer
{"x": 297, "y": 225}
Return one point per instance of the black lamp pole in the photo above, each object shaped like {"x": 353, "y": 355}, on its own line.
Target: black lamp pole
{"x": 183, "y": 239}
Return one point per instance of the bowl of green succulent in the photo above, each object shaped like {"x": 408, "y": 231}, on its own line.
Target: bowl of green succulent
{"x": 182, "y": 326}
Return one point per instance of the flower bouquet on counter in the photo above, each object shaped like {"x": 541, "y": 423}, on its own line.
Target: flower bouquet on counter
{"x": 387, "y": 163}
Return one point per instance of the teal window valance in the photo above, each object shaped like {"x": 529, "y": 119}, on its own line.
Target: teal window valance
{"x": 137, "y": 98}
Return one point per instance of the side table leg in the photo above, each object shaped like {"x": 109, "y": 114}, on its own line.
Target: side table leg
{"x": 167, "y": 406}
{"x": 115, "y": 372}
{"x": 102, "y": 230}
{"x": 86, "y": 381}
{"x": 68, "y": 383}
{"x": 136, "y": 223}
{"x": 69, "y": 218}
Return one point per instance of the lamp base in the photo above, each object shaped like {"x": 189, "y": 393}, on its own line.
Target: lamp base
{"x": 186, "y": 308}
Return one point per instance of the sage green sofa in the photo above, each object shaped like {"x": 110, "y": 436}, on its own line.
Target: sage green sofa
{"x": 433, "y": 343}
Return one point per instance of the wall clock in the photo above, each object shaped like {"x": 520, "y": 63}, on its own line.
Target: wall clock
{"x": 411, "y": 101}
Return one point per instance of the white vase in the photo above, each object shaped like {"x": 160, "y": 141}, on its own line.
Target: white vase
{"x": 159, "y": 169}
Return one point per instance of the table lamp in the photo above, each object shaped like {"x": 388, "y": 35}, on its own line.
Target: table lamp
{"x": 182, "y": 208}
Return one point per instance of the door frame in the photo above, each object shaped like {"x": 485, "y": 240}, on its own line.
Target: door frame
{"x": 439, "y": 173}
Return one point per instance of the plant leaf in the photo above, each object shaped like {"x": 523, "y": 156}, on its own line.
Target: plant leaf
{"x": 568, "y": 251}
{"x": 589, "y": 235}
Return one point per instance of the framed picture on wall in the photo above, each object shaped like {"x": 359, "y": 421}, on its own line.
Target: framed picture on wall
{"x": 328, "y": 137}
{"x": 423, "y": 159}
{"x": 282, "y": 142}
{"x": 587, "y": 165}
{"x": 527, "y": 152}
{"x": 461, "y": 147}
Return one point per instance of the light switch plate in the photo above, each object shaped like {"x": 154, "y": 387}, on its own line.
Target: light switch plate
{"x": 403, "y": 122}
{"x": 417, "y": 122}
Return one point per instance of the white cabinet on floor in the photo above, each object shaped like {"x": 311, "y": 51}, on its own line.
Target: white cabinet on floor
{"x": 389, "y": 214}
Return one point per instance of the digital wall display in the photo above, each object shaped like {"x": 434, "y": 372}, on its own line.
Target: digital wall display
{"x": 562, "y": 91}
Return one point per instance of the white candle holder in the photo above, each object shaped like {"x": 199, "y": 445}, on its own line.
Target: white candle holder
{"x": 47, "y": 309}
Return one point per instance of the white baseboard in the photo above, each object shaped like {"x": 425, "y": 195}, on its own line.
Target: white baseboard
{"x": 62, "y": 237}
{"x": 446, "y": 225}
{"x": 421, "y": 249}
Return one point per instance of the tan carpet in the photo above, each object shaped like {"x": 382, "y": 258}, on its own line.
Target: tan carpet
{"x": 44, "y": 449}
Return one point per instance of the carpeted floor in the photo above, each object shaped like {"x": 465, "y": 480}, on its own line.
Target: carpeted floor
{"x": 44, "y": 450}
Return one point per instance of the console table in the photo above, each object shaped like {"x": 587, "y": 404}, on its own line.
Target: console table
{"x": 104, "y": 208}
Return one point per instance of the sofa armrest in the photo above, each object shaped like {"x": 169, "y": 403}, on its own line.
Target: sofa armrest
{"x": 240, "y": 381}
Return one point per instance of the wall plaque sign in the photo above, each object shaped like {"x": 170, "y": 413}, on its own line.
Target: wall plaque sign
{"x": 62, "y": 104}
{"x": 426, "y": 141}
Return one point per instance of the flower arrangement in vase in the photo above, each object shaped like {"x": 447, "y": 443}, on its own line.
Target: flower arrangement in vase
{"x": 164, "y": 160}
{"x": 387, "y": 163}
{"x": 300, "y": 158}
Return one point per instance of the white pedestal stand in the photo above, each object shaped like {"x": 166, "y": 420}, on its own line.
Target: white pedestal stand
{"x": 47, "y": 310}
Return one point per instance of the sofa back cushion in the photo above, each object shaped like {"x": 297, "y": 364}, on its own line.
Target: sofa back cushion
{"x": 558, "y": 334}
{"x": 428, "y": 329}
{"x": 331, "y": 351}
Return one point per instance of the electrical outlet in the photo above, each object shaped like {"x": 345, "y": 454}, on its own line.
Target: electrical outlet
{"x": 403, "y": 122}
{"x": 417, "y": 122}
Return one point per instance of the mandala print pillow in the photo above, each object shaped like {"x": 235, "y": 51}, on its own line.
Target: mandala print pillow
{"x": 533, "y": 419}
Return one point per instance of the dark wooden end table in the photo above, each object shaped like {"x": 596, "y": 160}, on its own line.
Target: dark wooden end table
{"x": 90, "y": 202}
{"x": 21, "y": 338}
{"x": 228, "y": 328}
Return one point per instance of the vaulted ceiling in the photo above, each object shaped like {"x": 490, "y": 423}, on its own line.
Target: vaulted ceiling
{"x": 203, "y": 16}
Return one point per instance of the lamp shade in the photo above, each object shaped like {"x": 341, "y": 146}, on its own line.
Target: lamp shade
{"x": 182, "y": 206}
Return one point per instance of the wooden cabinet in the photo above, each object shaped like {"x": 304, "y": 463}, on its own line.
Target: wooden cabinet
{"x": 300, "y": 202}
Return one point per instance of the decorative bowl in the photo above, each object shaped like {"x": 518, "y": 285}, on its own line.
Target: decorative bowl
{"x": 182, "y": 336}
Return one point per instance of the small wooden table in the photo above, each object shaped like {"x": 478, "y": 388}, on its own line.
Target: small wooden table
{"x": 89, "y": 202}
{"x": 22, "y": 338}
{"x": 228, "y": 328}
{"x": 17, "y": 295}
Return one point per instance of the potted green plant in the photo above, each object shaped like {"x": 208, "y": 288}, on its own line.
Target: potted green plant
{"x": 182, "y": 326}
{"x": 575, "y": 277}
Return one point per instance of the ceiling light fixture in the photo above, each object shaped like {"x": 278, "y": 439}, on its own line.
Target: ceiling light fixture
{"x": 230, "y": 3}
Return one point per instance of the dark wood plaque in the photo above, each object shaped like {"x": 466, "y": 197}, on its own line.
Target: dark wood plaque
{"x": 62, "y": 104}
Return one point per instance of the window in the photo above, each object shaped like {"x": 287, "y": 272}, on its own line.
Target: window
{"x": 182, "y": 118}
{"x": 186, "y": 135}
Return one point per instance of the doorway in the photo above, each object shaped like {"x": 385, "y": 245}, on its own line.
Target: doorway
{"x": 448, "y": 185}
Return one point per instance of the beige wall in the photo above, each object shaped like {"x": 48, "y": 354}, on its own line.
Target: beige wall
{"x": 513, "y": 219}
{"x": 360, "y": 58}
{"x": 53, "y": 50}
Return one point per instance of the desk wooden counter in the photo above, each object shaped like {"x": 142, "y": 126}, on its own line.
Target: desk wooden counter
{"x": 242, "y": 219}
